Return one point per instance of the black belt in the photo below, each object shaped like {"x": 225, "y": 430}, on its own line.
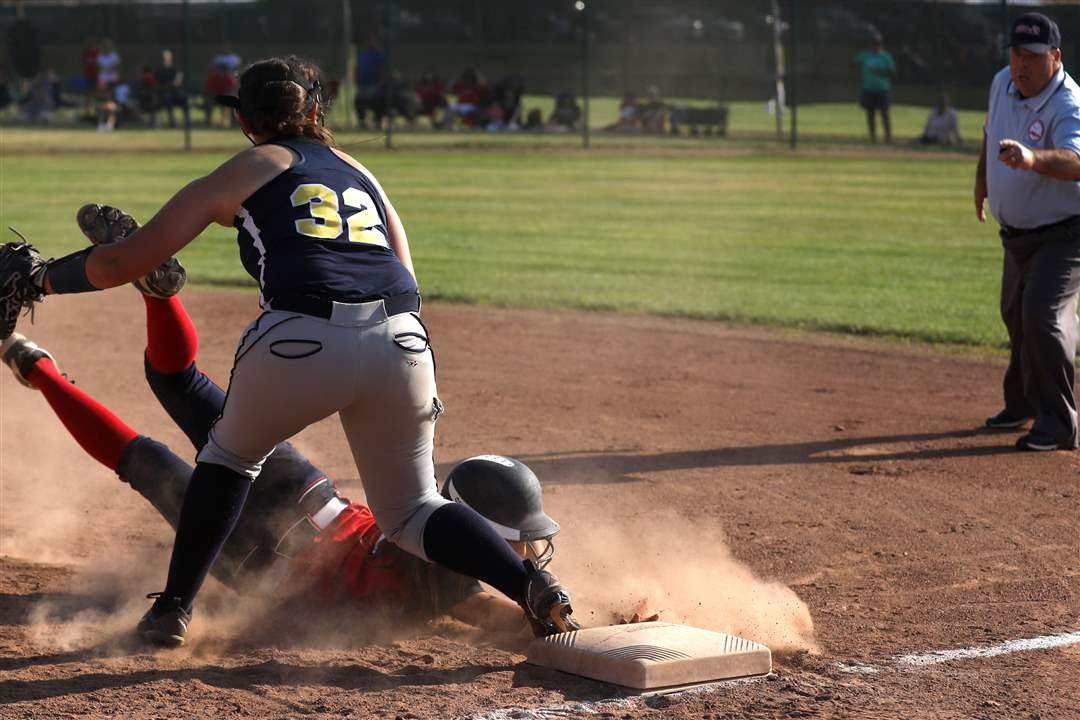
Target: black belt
{"x": 1010, "y": 231}
{"x": 322, "y": 308}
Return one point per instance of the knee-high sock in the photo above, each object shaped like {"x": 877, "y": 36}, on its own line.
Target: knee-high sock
{"x": 171, "y": 339}
{"x": 100, "y": 433}
{"x": 214, "y": 500}
{"x": 458, "y": 538}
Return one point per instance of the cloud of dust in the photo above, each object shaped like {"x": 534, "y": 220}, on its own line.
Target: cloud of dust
{"x": 103, "y": 601}
{"x": 48, "y": 485}
{"x": 58, "y": 506}
{"x": 679, "y": 568}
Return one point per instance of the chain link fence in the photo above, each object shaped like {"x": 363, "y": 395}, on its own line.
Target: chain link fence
{"x": 735, "y": 68}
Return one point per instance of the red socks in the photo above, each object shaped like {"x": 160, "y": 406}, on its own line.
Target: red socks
{"x": 100, "y": 433}
{"x": 171, "y": 339}
{"x": 172, "y": 343}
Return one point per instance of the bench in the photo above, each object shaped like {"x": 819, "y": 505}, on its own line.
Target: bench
{"x": 699, "y": 120}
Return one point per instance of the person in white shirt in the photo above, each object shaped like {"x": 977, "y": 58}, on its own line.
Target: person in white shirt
{"x": 108, "y": 63}
{"x": 942, "y": 125}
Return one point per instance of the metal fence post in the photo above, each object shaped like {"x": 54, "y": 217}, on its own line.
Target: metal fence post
{"x": 1004, "y": 28}
{"x": 583, "y": 7}
{"x": 794, "y": 28}
{"x": 778, "y": 68}
{"x": 187, "y": 75}
{"x": 388, "y": 71}
{"x": 346, "y": 76}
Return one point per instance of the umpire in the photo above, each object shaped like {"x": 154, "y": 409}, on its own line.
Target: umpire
{"x": 1033, "y": 125}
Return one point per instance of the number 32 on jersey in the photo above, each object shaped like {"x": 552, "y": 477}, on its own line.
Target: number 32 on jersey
{"x": 325, "y": 220}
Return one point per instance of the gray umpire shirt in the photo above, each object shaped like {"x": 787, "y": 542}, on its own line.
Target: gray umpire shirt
{"x": 1051, "y": 119}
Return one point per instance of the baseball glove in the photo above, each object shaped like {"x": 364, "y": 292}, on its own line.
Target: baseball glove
{"x": 21, "y": 269}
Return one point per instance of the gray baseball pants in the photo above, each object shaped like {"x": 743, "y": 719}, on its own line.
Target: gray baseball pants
{"x": 1039, "y": 284}
{"x": 378, "y": 375}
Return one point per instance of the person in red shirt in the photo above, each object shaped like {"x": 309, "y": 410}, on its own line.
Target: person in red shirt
{"x": 220, "y": 81}
{"x": 431, "y": 89}
{"x": 88, "y": 61}
{"x": 471, "y": 92}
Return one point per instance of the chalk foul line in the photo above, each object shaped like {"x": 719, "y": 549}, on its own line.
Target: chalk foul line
{"x": 936, "y": 657}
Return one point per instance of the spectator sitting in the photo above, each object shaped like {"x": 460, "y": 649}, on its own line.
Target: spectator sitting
{"x": 628, "y": 120}
{"x": 88, "y": 60}
{"x": 146, "y": 95}
{"x": 392, "y": 93}
{"x": 6, "y": 98}
{"x": 56, "y": 90}
{"x": 507, "y": 94}
{"x": 534, "y": 119}
{"x": 220, "y": 81}
{"x": 37, "y": 104}
{"x": 106, "y": 109}
{"x": 494, "y": 117}
{"x": 124, "y": 97}
{"x": 169, "y": 81}
{"x": 108, "y": 65}
{"x": 431, "y": 91}
{"x": 471, "y": 91}
{"x": 942, "y": 125}
{"x": 652, "y": 112}
{"x": 566, "y": 114}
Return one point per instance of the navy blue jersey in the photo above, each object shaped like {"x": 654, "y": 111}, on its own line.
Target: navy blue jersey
{"x": 319, "y": 229}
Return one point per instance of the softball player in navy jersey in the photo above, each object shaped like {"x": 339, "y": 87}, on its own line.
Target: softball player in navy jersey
{"x": 340, "y": 333}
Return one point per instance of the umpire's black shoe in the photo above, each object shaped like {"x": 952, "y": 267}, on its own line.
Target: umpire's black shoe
{"x": 546, "y": 603}
{"x": 165, "y": 623}
{"x": 1037, "y": 442}
{"x": 1005, "y": 420}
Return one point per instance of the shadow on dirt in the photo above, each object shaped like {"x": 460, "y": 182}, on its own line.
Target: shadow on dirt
{"x": 607, "y": 466}
{"x": 17, "y": 609}
{"x": 571, "y": 687}
{"x": 247, "y": 677}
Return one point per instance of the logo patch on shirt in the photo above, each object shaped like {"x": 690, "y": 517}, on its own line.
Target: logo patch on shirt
{"x": 1036, "y": 130}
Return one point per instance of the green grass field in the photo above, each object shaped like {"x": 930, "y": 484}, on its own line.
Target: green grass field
{"x": 883, "y": 243}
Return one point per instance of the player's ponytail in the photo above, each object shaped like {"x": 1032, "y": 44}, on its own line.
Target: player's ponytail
{"x": 276, "y": 97}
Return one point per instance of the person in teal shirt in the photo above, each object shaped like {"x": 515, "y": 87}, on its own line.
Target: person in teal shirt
{"x": 877, "y": 68}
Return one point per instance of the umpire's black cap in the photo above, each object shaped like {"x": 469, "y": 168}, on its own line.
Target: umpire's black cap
{"x": 1034, "y": 32}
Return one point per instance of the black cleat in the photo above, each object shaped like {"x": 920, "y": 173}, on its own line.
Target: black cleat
{"x": 21, "y": 354}
{"x": 546, "y": 603}
{"x": 1005, "y": 420}
{"x": 1037, "y": 442}
{"x": 165, "y": 623}
{"x": 104, "y": 225}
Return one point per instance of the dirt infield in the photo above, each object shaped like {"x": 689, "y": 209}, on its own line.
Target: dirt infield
{"x": 831, "y": 498}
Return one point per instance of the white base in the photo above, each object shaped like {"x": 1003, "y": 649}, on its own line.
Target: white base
{"x": 650, "y": 656}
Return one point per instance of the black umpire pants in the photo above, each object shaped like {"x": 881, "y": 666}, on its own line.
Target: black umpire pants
{"x": 1039, "y": 285}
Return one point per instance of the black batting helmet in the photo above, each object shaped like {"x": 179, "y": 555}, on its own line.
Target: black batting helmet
{"x": 506, "y": 492}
